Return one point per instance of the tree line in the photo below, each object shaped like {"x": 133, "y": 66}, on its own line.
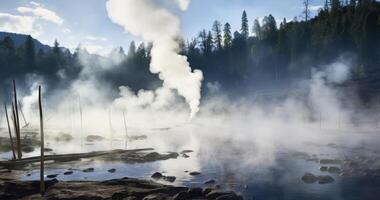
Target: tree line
{"x": 259, "y": 54}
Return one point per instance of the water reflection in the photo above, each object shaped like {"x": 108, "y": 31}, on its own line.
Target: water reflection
{"x": 234, "y": 164}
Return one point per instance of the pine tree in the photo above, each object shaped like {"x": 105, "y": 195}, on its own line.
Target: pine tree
{"x": 210, "y": 45}
{"x": 216, "y": 28}
{"x": 29, "y": 52}
{"x": 132, "y": 50}
{"x": 335, "y": 5}
{"x": 227, "y": 37}
{"x": 352, "y": 3}
{"x": 326, "y": 5}
{"x": 269, "y": 28}
{"x": 244, "y": 25}
{"x": 203, "y": 40}
{"x": 257, "y": 29}
{"x": 56, "y": 48}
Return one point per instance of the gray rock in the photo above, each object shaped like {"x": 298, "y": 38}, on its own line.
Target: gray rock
{"x": 195, "y": 192}
{"x": 63, "y": 137}
{"x": 210, "y": 181}
{"x": 309, "y": 178}
{"x": 130, "y": 198}
{"x": 27, "y": 149}
{"x": 325, "y": 179}
{"x": 181, "y": 196}
{"x": 330, "y": 161}
{"x": 205, "y": 191}
{"x": 218, "y": 193}
{"x": 52, "y": 175}
{"x": 158, "y": 196}
{"x": 186, "y": 151}
{"x": 88, "y": 170}
{"x": 169, "y": 178}
{"x": 157, "y": 175}
{"x": 195, "y": 173}
{"x": 229, "y": 197}
{"x": 335, "y": 170}
{"x": 112, "y": 170}
{"x": 323, "y": 169}
{"x": 48, "y": 149}
{"x": 68, "y": 173}
{"x": 94, "y": 138}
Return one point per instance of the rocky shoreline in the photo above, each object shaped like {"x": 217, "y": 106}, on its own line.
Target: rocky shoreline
{"x": 116, "y": 189}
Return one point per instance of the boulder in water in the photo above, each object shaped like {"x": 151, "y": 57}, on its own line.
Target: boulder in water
{"x": 112, "y": 170}
{"x": 88, "y": 170}
{"x": 27, "y": 149}
{"x": 195, "y": 173}
{"x": 169, "y": 178}
{"x": 309, "y": 178}
{"x": 325, "y": 179}
{"x": 63, "y": 137}
{"x": 94, "y": 138}
{"x": 52, "y": 175}
{"x": 210, "y": 181}
{"x": 68, "y": 173}
{"x": 157, "y": 175}
{"x": 323, "y": 169}
{"x": 335, "y": 170}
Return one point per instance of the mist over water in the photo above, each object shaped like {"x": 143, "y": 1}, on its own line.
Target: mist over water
{"x": 259, "y": 144}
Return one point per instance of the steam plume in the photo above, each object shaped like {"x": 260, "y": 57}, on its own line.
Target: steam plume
{"x": 156, "y": 24}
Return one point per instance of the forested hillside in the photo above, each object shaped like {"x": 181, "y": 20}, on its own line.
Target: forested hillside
{"x": 258, "y": 54}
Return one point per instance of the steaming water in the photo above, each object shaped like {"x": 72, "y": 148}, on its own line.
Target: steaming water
{"x": 279, "y": 177}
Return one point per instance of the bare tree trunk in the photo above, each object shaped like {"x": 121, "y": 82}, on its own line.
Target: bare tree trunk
{"x": 110, "y": 126}
{"x": 81, "y": 122}
{"x": 16, "y": 118}
{"x": 125, "y": 127}
{"x": 42, "y": 181}
{"x": 10, "y": 132}
{"x": 306, "y": 10}
{"x": 18, "y": 139}
{"x": 23, "y": 116}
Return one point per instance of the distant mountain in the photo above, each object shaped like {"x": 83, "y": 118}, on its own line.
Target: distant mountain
{"x": 19, "y": 39}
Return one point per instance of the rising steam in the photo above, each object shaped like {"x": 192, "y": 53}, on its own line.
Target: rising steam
{"x": 155, "y": 24}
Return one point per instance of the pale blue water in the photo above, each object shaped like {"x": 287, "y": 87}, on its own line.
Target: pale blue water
{"x": 278, "y": 179}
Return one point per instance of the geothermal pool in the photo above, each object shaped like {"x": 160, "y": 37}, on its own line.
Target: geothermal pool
{"x": 271, "y": 170}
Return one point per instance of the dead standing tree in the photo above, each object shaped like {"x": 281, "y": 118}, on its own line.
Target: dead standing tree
{"x": 10, "y": 132}
{"x": 42, "y": 181}
{"x": 16, "y": 120}
{"x": 306, "y": 10}
{"x": 126, "y": 130}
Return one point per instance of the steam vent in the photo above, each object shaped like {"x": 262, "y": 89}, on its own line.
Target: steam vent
{"x": 190, "y": 100}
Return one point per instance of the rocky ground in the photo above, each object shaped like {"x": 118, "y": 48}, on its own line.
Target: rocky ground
{"x": 125, "y": 188}
{"x": 356, "y": 163}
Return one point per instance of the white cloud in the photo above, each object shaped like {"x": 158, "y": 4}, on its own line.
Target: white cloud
{"x": 315, "y": 8}
{"x": 35, "y": 3}
{"x": 19, "y": 24}
{"x": 183, "y": 4}
{"x": 97, "y": 49}
{"x": 28, "y": 21}
{"x": 94, "y": 38}
{"x": 66, "y": 30}
{"x": 42, "y": 13}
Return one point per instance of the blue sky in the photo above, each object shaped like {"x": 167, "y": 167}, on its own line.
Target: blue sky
{"x": 86, "y": 21}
